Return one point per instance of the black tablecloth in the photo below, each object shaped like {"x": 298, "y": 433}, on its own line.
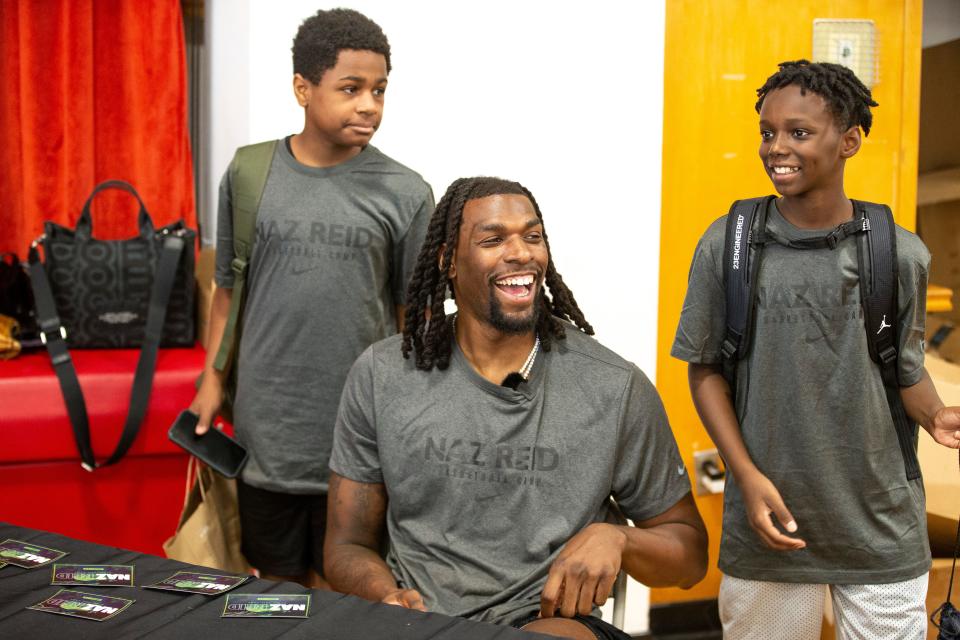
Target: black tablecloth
{"x": 164, "y": 614}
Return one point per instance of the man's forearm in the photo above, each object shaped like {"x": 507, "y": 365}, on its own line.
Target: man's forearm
{"x": 357, "y": 570}
{"x": 668, "y": 555}
{"x": 355, "y": 522}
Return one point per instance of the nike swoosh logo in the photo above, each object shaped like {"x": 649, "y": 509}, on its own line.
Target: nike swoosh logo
{"x": 297, "y": 272}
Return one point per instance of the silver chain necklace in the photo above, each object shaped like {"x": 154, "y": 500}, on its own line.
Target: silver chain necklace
{"x": 528, "y": 364}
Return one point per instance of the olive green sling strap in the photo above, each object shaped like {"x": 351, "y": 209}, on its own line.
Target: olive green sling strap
{"x": 248, "y": 176}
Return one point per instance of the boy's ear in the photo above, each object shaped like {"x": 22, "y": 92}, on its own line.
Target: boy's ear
{"x": 850, "y": 142}
{"x": 301, "y": 89}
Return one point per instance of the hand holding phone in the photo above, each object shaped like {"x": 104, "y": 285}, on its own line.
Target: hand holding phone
{"x": 221, "y": 452}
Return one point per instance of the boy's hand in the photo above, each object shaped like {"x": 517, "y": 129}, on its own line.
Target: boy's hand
{"x": 406, "y": 598}
{"x": 945, "y": 427}
{"x": 207, "y": 402}
{"x": 584, "y": 572}
{"x": 763, "y": 501}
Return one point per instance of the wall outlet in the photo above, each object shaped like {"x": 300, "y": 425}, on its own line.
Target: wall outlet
{"x": 709, "y": 472}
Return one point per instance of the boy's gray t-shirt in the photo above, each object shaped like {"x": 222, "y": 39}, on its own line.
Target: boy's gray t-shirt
{"x": 813, "y": 412}
{"x": 333, "y": 251}
{"x": 486, "y": 484}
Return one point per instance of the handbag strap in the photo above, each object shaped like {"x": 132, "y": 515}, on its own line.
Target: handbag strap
{"x": 53, "y": 335}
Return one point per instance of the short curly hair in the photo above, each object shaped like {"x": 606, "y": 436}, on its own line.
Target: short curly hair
{"x": 321, "y": 37}
{"x": 848, "y": 99}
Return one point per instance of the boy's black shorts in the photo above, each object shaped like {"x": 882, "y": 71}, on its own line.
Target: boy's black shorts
{"x": 282, "y": 533}
{"x": 602, "y": 630}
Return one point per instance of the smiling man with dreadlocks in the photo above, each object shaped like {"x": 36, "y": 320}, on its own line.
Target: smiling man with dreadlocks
{"x": 490, "y": 457}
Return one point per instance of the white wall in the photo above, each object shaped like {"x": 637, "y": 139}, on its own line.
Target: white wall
{"x": 563, "y": 98}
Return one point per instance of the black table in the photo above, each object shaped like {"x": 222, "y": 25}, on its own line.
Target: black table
{"x": 164, "y": 614}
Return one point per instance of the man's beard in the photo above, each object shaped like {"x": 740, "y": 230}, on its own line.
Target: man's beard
{"x": 514, "y": 324}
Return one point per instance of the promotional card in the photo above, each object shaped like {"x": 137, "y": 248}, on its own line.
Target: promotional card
{"x": 93, "y": 575}
{"x": 82, "y": 605}
{"x": 207, "y": 584}
{"x": 27, "y": 555}
{"x": 259, "y": 605}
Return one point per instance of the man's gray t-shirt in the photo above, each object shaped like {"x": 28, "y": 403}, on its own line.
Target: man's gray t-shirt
{"x": 333, "y": 251}
{"x": 813, "y": 412}
{"x": 486, "y": 483}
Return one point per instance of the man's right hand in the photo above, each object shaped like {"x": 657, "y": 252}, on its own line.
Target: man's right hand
{"x": 207, "y": 402}
{"x": 406, "y": 598}
{"x": 763, "y": 502}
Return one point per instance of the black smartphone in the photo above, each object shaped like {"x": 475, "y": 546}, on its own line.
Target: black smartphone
{"x": 224, "y": 454}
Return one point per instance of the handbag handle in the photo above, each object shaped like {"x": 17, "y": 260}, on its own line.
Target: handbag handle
{"x": 84, "y": 228}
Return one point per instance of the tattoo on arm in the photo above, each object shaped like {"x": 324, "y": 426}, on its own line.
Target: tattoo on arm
{"x": 356, "y": 518}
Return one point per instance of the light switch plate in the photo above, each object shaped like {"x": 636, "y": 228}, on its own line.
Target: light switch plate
{"x": 851, "y": 43}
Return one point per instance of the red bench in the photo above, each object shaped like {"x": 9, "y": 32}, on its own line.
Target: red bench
{"x": 133, "y": 504}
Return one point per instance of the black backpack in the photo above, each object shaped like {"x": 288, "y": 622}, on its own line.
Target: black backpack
{"x": 875, "y": 231}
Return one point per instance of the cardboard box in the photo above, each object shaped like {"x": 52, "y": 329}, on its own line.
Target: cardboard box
{"x": 939, "y": 96}
{"x": 941, "y": 481}
{"x": 943, "y": 338}
{"x": 940, "y": 465}
{"x": 938, "y": 223}
{"x": 206, "y": 263}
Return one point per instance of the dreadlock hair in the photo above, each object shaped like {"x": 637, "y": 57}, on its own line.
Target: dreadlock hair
{"x": 848, "y": 99}
{"x": 426, "y": 330}
{"x": 321, "y": 37}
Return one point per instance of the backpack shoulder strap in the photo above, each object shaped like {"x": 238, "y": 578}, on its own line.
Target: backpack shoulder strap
{"x": 878, "y": 279}
{"x": 248, "y": 177}
{"x": 741, "y": 260}
{"x": 877, "y": 256}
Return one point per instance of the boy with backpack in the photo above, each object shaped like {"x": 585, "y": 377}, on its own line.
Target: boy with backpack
{"x": 803, "y": 326}
{"x": 316, "y": 235}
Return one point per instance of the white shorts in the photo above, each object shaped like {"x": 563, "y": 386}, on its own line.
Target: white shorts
{"x": 757, "y": 610}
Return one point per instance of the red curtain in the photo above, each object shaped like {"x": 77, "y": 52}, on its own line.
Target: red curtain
{"x": 91, "y": 90}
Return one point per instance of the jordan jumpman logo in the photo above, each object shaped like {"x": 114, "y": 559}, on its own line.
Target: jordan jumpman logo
{"x": 883, "y": 324}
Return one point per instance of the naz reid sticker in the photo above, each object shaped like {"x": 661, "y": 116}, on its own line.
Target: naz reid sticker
{"x": 27, "y": 555}
{"x": 204, "y": 583}
{"x": 93, "y": 575}
{"x": 243, "y": 605}
{"x": 82, "y": 605}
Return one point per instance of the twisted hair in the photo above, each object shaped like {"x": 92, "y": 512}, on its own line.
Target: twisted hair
{"x": 323, "y": 35}
{"x": 848, "y": 99}
{"x": 426, "y": 330}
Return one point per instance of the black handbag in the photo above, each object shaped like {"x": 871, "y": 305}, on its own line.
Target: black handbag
{"x": 101, "y": 288}
{"x": 136, "y": 292}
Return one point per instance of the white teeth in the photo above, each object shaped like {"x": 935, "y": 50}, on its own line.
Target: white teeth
{"x": 516, "y": 281}
{"x": 785, "y": 170}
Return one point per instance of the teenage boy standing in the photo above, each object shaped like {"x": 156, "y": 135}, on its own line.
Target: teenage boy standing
{"x": 817, "y": 493}
{"x": 338, "y": 230}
